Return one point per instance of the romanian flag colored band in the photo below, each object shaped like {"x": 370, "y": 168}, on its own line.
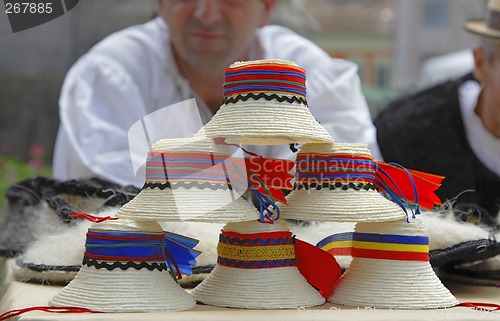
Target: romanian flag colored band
{"x": 377, "y": 246}
{"x": 265, "y": 78}
{"x": 187, "y": 167}
{"x": 256, "y": 251}
{"x": 313, "y": 168}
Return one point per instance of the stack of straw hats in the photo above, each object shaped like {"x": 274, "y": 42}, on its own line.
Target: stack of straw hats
{"x": 337, "y": 182}
{"x": 264, "y": 104}
{"x": 191, "y": 179}
{"x": 124, "y": 270}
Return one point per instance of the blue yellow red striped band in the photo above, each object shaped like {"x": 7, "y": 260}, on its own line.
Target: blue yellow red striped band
{"x": 377, "y": 246}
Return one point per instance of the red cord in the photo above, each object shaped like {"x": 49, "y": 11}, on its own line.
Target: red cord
{"x": 91, "y": 218}
{"x": 15, "y": 313}
{"x": 481, "y": 306}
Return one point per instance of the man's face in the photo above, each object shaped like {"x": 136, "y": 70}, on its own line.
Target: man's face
{"x": 209, "y": 34}
{"x": 488, "y": 74}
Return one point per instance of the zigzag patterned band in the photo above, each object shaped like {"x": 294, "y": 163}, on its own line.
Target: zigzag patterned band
{"x": 335, "y": 185}
{"x": 188, "y": 185}
{"x": 98, "y": 264}
{"x": 266, "y": 96}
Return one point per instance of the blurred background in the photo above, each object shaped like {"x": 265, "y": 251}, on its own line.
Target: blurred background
{"x": 399, "y": 45}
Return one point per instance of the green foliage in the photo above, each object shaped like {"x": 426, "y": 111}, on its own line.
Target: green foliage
{"x": 13, "y": 170}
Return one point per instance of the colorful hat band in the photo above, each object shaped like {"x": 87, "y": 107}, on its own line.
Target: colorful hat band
{"x": 265, "y": 79}
{"x": 377, "y": 246}
{"x": 111, "y": 247}
{"x": 256, "y": 251}
{"x": 318, "y": 171}
{"x": 187, "y": 167}
{"x": 124, "y": 250}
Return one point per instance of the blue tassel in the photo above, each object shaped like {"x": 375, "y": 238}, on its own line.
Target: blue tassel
{"x": 181, "y": 249}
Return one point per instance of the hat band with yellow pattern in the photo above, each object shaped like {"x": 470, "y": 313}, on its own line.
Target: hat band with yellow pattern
{"x": 256, "y": 251}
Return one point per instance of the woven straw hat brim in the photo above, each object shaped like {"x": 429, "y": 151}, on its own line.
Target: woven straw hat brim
{"x": 189, "y": 204}
{"x": 264, "y": 122}
{"x": 340, "y": 206}
{"x": 480, "y": 28}
{"x": 120, "y": 290}
{"x": 272, "y": 288}
{"x": 391, "y": 284}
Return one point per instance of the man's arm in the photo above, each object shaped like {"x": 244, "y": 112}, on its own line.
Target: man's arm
{"x": 98, "y": 104}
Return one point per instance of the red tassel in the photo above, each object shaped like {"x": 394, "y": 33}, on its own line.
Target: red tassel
{"x": 273, "y": 173}
{"x": 319, "y": 268}
{"x": 91, "y": 218}
{"x": 425, "y": 183}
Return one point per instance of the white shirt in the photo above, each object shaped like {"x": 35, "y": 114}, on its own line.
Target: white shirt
{"x": 485, "y": 146}
{"x": 132, "y": 73}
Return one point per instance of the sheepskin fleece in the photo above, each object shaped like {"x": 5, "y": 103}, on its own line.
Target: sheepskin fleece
{"x": 60, "y": 244}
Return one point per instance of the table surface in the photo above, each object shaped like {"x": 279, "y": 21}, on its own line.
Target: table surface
{"x": 22, "y": 295}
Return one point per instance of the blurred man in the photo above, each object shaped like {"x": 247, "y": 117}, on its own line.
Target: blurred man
{"x": 183, "y": 54}
{"x": 453, "y": 129}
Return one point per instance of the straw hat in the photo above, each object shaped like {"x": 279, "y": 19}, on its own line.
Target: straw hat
{"x": 256, "y": 270}
{"x": 107, "y": 282}
{"x": 265, "y": 104}
{"x": 391, "y": 269}
{"x": 488, "y": 28}
{"x": 188, "y": 179}
{"x": 335, "y": 182}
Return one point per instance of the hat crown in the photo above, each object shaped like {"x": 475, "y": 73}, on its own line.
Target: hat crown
{"x": 255, "y": 226}
{"x": 196, "y": 143}
{"x": 334, "y": 163}
{"x": 126, "y": 241}
{"x": 400, "y": 227}
{"x": 493, "y": 18}
{"x": 356, "y": 149}
{"x": 124, "y": 225}
{"x": 265, "y": 77}
{"x": 187, "y": 160}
